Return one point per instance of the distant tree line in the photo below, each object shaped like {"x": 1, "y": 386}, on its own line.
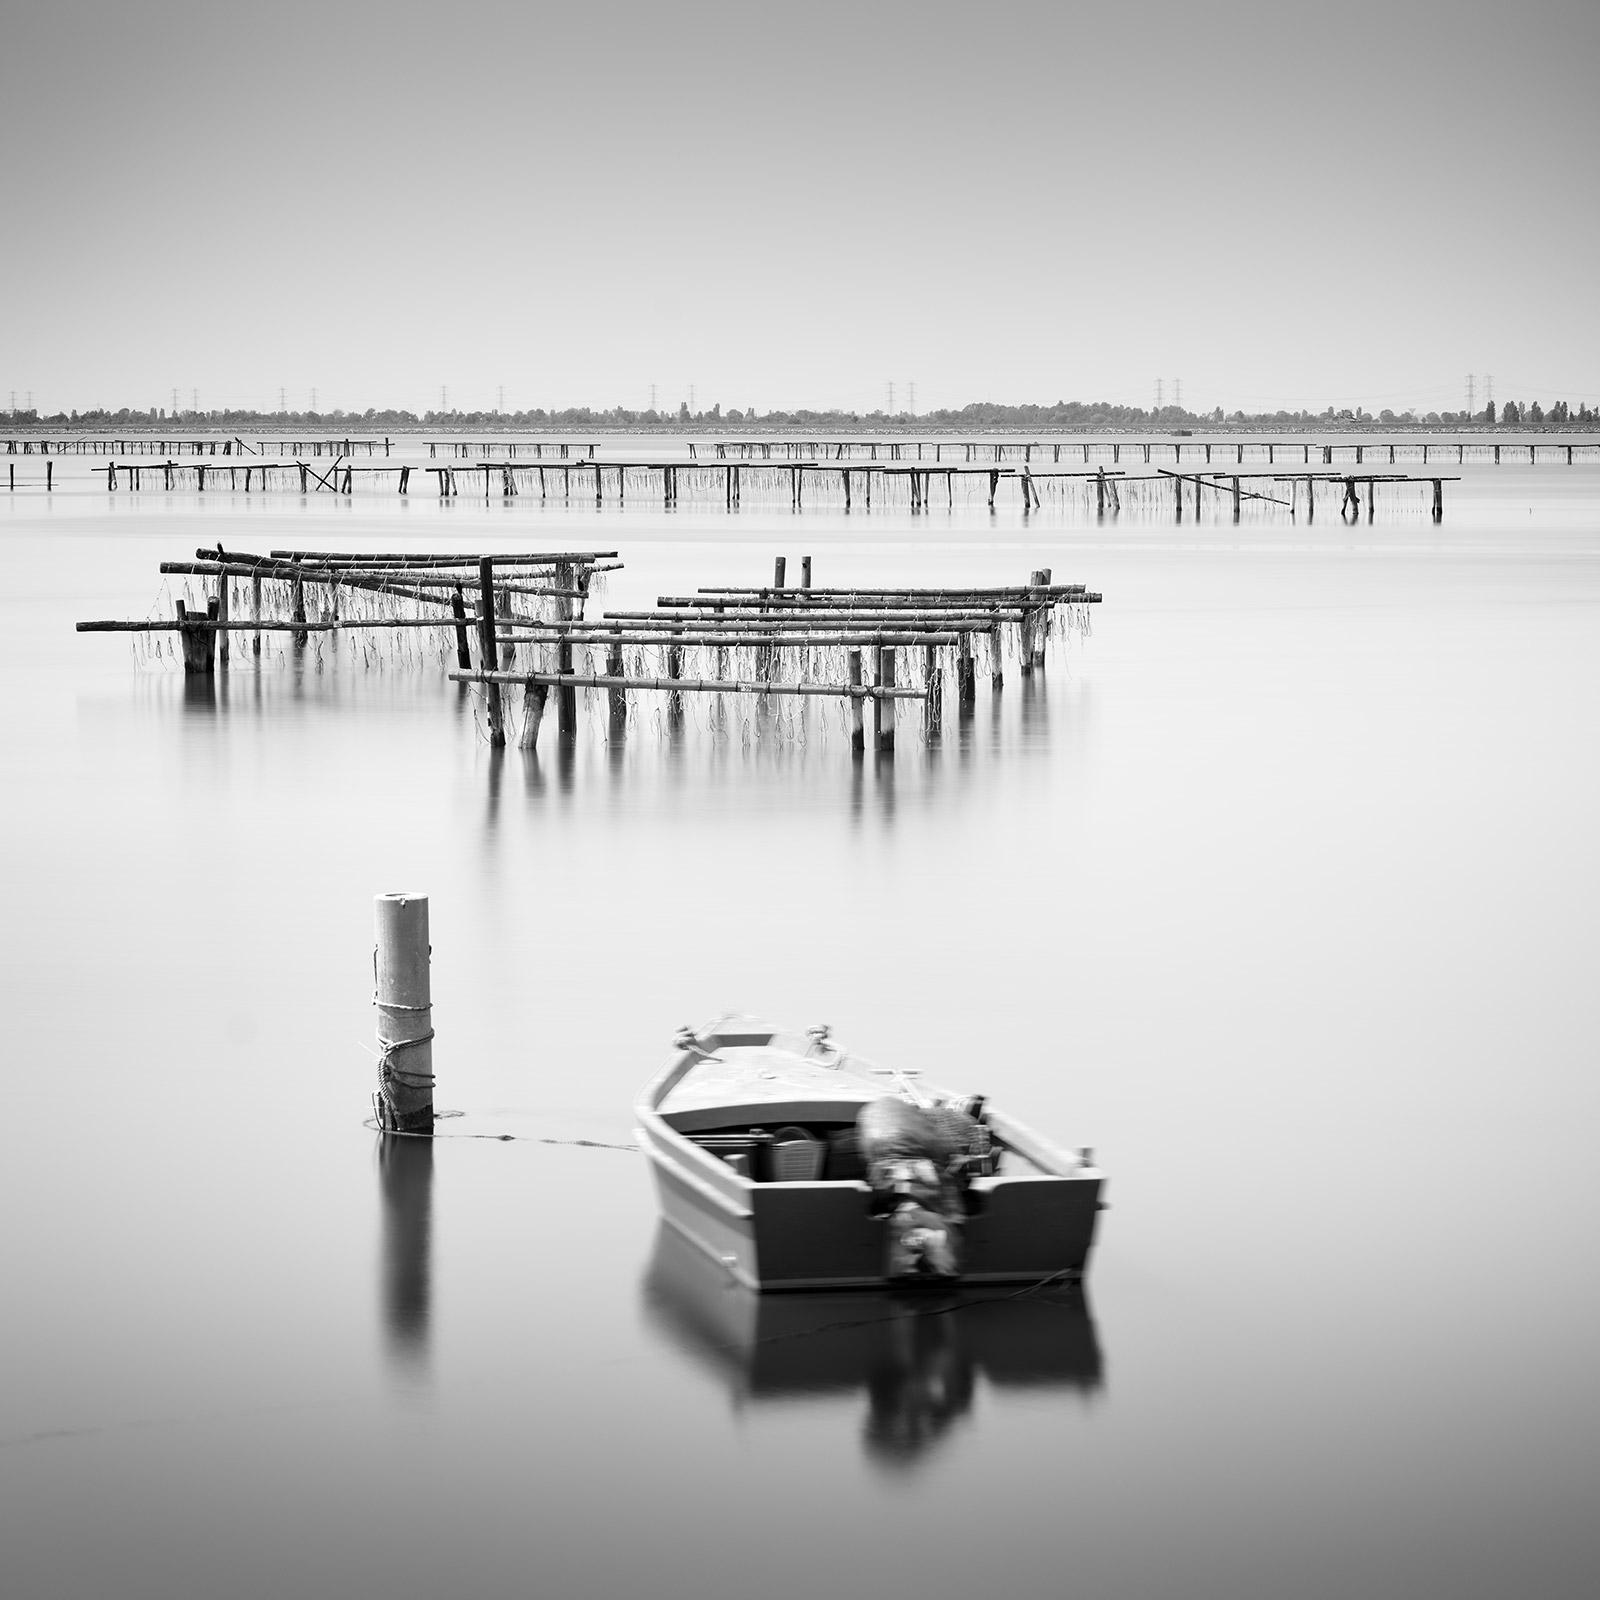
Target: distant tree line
{"x": 980, "y": 416}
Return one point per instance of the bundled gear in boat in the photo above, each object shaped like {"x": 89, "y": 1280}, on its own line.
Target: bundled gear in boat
{"x": 916, "y": 1161}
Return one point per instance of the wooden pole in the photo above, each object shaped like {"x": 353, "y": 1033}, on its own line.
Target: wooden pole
{"x": 805, "y": 572}
{"x": 255, "y": 614}
{"x": 933, "y": 706}
{"x": 458, "y": 607}
{"x": 222, "y": 616}
{"x": 616, "y": 699}
{"x": 566, "y": 695}
{"x": 883, "y": 705}
{"x": 487, "y": 649}
{"x": 297, "y": 609}
{"x": 858, "y": 734}
{"x": 779, "y": 569}
{"x": 404, "y": 1101}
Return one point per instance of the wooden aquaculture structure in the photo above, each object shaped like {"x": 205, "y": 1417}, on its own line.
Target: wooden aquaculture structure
{"x": 355, "y": 593}
{"x": 515, "y": 626}
{"x": 859, "y": 646}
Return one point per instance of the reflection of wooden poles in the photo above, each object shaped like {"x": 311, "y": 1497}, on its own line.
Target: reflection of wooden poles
{"x": 404, "y": 1101}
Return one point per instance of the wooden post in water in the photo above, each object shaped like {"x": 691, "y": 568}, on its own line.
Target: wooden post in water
{"x": 196, "y": 643}
{"x": 616, "y": 699}
{"x": 297, "y": 609}
{"x": 883, "y": 704}
{"x": 566, "y": 695}
{"x": 805, "y": 572}
{"x": 404, "y": 1101}
{"x": 933, "y": 704}
{"x": 1438, "y": 499}
{"x": 1040, "y": 629}
{"x": 458, "y": 609}
{"x": 502, "y": 608}
{"x": 255, "y": 615}
{"x": 779, "y": 569}
{"x": 487, "y": 650}
{"x": 1235, "y": 499}
{"x": 858, "y": 735}
{"x": 966, "y": 671}
{"x": 222, "y": 616}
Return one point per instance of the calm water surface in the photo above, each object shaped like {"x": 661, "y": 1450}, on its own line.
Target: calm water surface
{"x": 1280, "y": 891}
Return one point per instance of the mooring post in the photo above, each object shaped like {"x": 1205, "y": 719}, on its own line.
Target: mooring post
{"x": 858, "y": 735}
{"x": 1235, "y": 499}
{"x": 404, "y": 1101}
{"x": 487, "y": 649}
{"x": 997, "y": 676}
{"x": 805, "y": 572}
{"x": 883, "y": 704}
{"x": 1438, "y": 499}
{"x": 779, "y": 570}
{"x": 297, "y": 607}
{"x": 222, "y": 616}
{"x": 49, "y": 476}
{"x": 255, "y": 615}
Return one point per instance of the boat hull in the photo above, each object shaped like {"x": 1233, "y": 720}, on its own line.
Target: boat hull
{"x": 1021, "y": 1226}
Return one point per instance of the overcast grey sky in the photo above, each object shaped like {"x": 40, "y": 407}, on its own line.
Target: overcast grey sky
{"x": 1282, "y": 204}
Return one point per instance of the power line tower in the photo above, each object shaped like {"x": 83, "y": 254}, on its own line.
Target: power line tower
{"x": 283, "y": 401}
{"x": 174, "y": 402}
{"x": 911, "y": 403}
{"x": 1488, "y": 388}
{"x": 652, "y": 397}
{"x": 1177, "y": 393}
{"x": 444, "y": 397}
{"x": 691, "y": 400}
{"x": 1472, "y": 396}
{"x": 313, "y": 397}
{"x": 891, "y": 397}
{"x": 1158, "y": 394}
{"x": 500, "y": 399}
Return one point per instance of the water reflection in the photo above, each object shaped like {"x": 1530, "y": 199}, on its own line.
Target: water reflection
{"x": 918, "y": 1362}
{"x": 405, "y": 1182}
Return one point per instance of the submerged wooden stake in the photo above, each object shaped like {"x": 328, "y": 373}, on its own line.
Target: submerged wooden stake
{"x": 405, "y": 1015}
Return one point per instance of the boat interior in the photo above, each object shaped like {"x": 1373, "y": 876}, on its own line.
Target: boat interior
{"x": 810, "y": 1142}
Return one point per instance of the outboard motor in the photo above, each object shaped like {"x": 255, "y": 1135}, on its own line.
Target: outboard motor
{"x": 916, "y": 1170}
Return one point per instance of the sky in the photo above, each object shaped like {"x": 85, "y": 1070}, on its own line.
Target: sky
{"x": 775, "y": 206}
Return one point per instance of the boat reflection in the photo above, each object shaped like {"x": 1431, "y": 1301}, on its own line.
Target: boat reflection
{"x": 919, "y": 1361}
{"x": 405, "y": 1183}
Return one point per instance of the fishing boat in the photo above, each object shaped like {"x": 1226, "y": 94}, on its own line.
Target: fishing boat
{"x": 796, "y": 1164}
